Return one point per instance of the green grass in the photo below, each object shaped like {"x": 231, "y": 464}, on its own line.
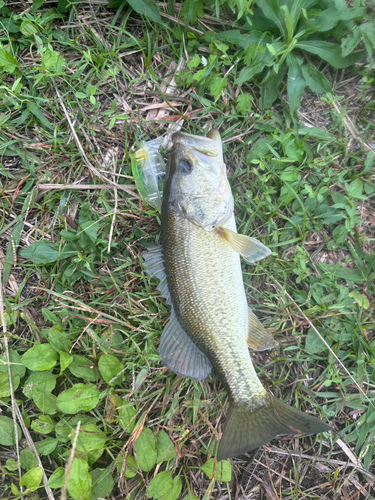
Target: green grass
{"x": 83, "y": 320}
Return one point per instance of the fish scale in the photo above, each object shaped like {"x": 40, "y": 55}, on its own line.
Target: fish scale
{"x": 211, "y": 323}
{"x": 205, "y": 281}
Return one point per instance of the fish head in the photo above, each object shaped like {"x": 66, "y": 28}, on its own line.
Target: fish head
{"x": 200, "y": 190}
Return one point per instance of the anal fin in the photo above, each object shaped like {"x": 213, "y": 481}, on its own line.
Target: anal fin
{"x": 180, "y": 354}
{"x": 257, "y": 336}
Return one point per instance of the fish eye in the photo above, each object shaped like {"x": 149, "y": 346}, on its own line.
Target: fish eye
{"x": 184, "y": 165}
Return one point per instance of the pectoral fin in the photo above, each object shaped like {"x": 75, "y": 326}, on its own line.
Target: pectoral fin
{"x": 257, "y": 336}
{"x": 249, "y": 248}
{"x": 180, "y": 354}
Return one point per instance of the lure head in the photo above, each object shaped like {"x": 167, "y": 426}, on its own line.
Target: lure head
{"x": 199, "y": 188}
{"x": 148, "y": 169}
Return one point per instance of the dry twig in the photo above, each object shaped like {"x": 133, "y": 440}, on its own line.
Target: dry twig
{"x": 69, "y": 465}
{"x": 83, "y": 154}
{"x": 352, "y": 130}
{"x": 326, "y": 344}
{"x": 13, "y": 399}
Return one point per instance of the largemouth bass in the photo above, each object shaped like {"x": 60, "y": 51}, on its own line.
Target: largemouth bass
{"x": 211, "y": 325}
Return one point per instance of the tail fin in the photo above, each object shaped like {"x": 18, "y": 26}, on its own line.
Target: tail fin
{"x": 249, "y": 427}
